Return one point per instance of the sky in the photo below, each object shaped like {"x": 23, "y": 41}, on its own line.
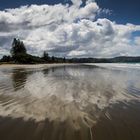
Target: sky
{"x": 72, "y": 28}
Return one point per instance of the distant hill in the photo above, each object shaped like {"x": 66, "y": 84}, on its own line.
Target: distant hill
{"x": 29, "y": 59}
{"x": 121, "y": 59}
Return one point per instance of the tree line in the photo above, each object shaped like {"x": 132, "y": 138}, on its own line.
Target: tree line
{"x": 19, "y": 55}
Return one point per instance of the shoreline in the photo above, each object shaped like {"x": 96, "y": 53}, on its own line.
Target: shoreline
{"x": 35, "y": 65}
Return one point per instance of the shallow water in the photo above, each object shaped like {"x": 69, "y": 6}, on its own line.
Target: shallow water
{"x": 77, "y": 102}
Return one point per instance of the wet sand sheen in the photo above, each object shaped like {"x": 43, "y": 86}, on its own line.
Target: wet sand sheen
{"x": 69, "y": 103}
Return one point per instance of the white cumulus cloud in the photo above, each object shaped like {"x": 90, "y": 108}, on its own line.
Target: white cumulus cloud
{"x": 67, "y": 30}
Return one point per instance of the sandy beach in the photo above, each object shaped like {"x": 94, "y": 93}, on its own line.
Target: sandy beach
{"x": 35, "y": 65}
{"x": 68, "y": 102}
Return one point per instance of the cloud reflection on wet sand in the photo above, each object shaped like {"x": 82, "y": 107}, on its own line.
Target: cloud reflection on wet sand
{"x": 72, "y": 98}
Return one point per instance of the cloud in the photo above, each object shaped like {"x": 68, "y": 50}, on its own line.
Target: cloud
{"x": 77, "y": 3}
{"x": 137, "y": 40}
{"x": 67, "y": 30}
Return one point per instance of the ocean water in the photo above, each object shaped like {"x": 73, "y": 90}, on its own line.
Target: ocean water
{"x": 70, "y": 102}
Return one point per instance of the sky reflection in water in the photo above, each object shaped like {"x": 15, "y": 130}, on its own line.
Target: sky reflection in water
{"x": 78, "y": 95}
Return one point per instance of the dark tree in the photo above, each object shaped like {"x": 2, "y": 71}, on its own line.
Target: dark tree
{"x": 46, "y": 56}
{"x": 64, "y": 59}
{"x": 53, "y": 59}
{"x": 18, "y": 51}
{"x": 6, "y": 58}
{"x": 18, "y": 47}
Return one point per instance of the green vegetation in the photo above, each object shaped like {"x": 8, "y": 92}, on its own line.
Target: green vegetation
{"x": 18, "y": 48}
{"x": 19, "y": 55}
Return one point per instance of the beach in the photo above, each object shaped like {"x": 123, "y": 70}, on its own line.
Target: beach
{"x": 69, "y": 102}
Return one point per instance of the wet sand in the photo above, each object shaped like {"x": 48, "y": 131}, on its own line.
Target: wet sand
{"x": 35, "y": 65}
{"x": 120, "y": 124}
{"x": 69, "y": 102}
